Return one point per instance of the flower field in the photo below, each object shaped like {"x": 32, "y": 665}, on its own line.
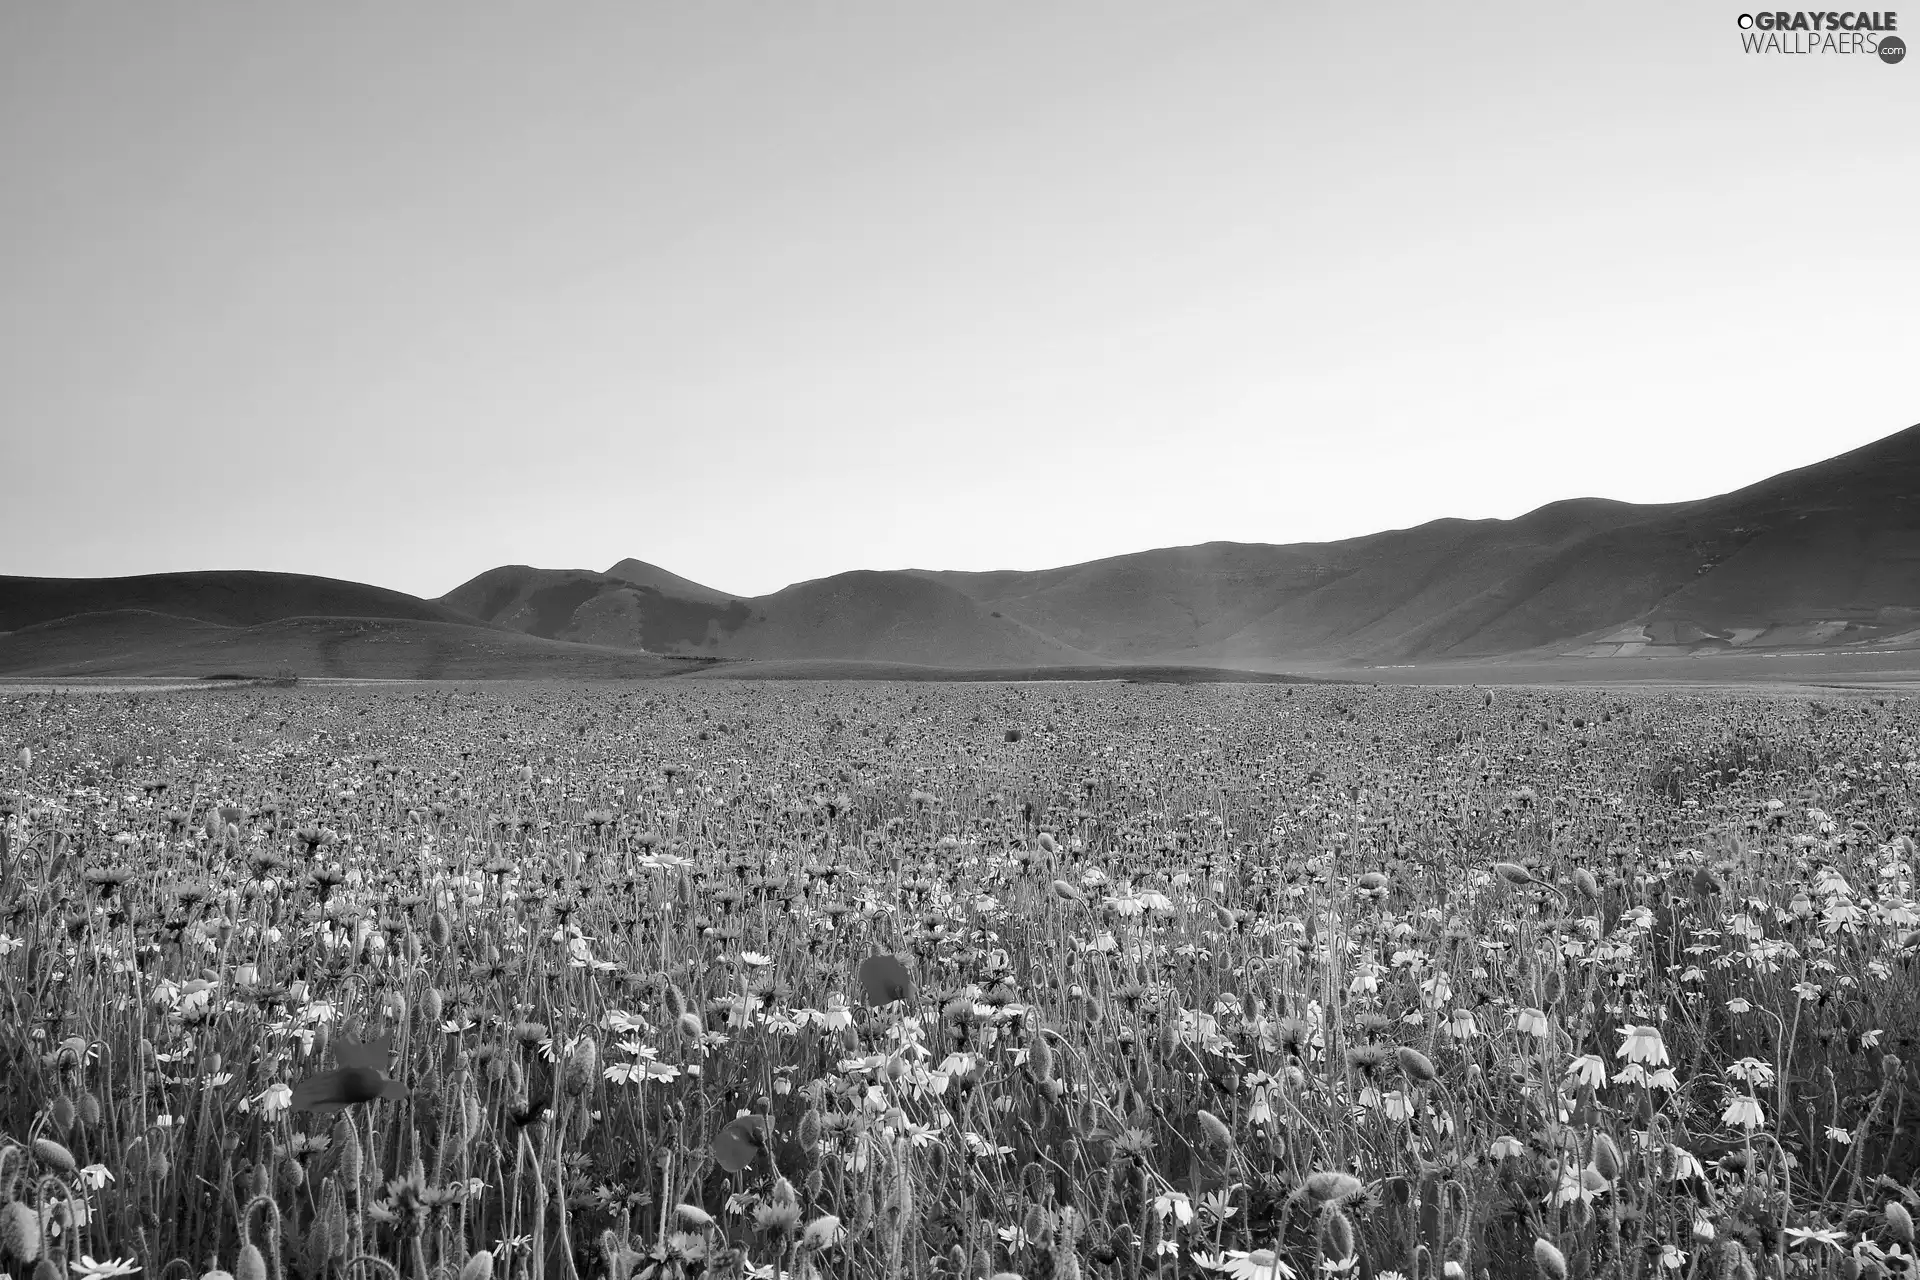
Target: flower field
{"x": 961, "y": 981}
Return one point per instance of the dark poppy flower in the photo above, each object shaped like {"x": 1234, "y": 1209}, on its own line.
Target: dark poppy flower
{"x": 885, "y": 979}
{"x": 360, "y": 1077}
{"x": 740, "y": 1142}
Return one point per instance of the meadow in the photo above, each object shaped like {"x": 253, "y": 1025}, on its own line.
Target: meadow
{"x": 957, "y": 981}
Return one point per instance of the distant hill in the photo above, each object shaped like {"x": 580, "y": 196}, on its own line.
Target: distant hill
{"x": 595, "y": 608}
{"x": 869, "y": 616}
{"x": 1237, "y": 602}
{"x": 231, "y": 597}
{"x": 891, "y": 617}
{"x": 1823, "y": 559}
{"x": 642, "y": 574}
{"x": 136, "y": 642}
{"x": 1828, "y": 555}
{"x": 837, "y": 669}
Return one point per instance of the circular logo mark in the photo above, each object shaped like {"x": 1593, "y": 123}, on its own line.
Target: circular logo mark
{"x": 1892, "y": 49}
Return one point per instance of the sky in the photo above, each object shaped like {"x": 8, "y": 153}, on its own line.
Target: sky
{"x": 765, "y": 292}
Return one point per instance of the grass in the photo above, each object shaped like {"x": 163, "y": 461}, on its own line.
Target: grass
{"x": 1220, "y": 980}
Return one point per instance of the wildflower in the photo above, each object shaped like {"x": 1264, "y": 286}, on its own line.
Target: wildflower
{"x": 1743, "y": 1109}
{"x": 1579, "y": 1184}
{"x": 1174, "y": 1204}
{"x": 1643, "y": 1044}
{"x": 1218, "y": 1206}
{"x": 1015, "y": 1237}
{"x": 1533, "y": 1022}
{"x": 1367, "y": 1058}
{"x": 1817, "y": 1235}
{"x": 88, "y": 1269}
{"x": 1588, "y": 1070}
{"x": 96, "y": 1176}
{"x": 1258, "y": 1264}
{"x": 1686, "y": 1165}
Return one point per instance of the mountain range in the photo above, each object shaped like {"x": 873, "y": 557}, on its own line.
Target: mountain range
{"x": 1823, "y": 558}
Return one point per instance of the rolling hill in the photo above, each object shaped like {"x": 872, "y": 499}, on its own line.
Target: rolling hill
{"x": 234, "y": 598}
{"x": 1828, "y": 555}
{"x": 1240, "y": 602}
{"x": 136, "y": 642}
{"x": 1823, "y": 559}
{"x": 864, "y": 615}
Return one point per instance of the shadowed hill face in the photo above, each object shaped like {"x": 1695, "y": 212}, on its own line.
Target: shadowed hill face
{"x": 895, "y": 617}
{"x": 585, "y": 607}
{"x": 132, "y": 642}
{"x": 229, "y": 597}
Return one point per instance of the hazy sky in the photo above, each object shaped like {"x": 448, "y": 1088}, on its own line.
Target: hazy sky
{"x": 399, "y": 292}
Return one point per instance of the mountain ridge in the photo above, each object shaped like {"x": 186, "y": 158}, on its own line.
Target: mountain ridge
{"x": 1825, "y": 556}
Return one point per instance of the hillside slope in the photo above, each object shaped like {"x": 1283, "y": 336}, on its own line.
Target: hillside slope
{"x": 1824, "y": 558}
{"x": 230, "y": 597}
{"x": 1258, "y": 602}
{"x": 600, "y": 608}
{"x": 865, "y": 615}
{"x": 642, "y": 574}
{"x": 135, "y": 642}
